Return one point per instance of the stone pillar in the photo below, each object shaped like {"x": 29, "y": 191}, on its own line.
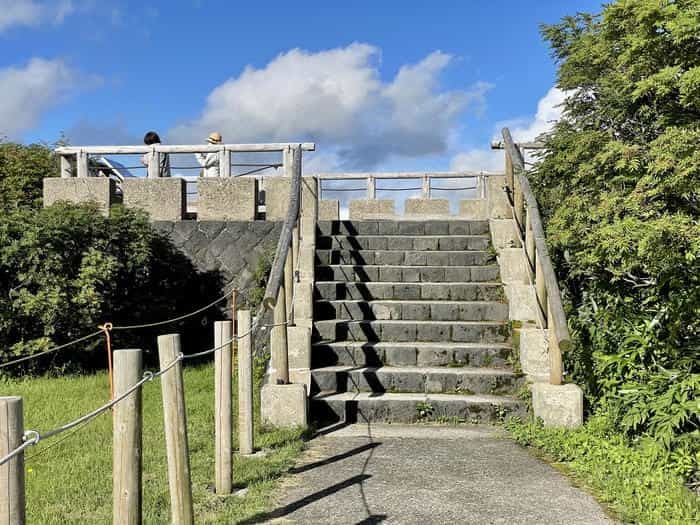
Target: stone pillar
{"x": 226, "y": 199}
{"x": 427, "y": 207}
{"x": 329, "y": 210}
{"x": 163, "y": 198}
{"x": 364, "y": 209}
{"x": 99, "y": 190}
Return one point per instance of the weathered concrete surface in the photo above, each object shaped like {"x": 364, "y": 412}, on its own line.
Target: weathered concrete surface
{"x": 427, "y": 475}
{"x": 230, "y": 247}
{"x": 558, "y": 405}
{"x": 277, "y": 196}
{"x": 164, "y": 199}
{"x": 231, "y": 199}
{"x": 284, "y": 405}
{"x": 473, "y": 209}
{"x": 361, "y": 209}
{"x": 428, "y": 206}
{"x": 100, "y": 190}
{"x": 329, "y": 210}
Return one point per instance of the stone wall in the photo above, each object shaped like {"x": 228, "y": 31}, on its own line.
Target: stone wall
{"x": 230, "y": 247}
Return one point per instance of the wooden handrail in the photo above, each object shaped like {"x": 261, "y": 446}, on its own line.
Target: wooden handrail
{"x": 548, "y": 293}
{"x": 192, "y": 148}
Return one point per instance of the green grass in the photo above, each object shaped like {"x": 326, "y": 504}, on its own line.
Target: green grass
{"x": 634, "y": 482}
{"x": 71, "y": 481}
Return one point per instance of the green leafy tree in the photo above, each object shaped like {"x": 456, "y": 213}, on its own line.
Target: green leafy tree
{"x": 619, "y": 182}
{"x": 22, "y": 170}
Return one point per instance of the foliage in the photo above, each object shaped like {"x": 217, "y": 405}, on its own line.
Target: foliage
{"x": 22, "y": 170}
{"x": 636, "y": 481}
{"x": 65, "y": 269}
{"x": 619, "y": 185}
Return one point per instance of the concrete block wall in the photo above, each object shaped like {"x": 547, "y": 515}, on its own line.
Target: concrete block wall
{"x": 226, "y": 199}
{"x": 163, "y": 199}
{"x": 99, "y": 190}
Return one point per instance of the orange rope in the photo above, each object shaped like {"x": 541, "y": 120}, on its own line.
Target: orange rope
{"x": 106, "y": 328}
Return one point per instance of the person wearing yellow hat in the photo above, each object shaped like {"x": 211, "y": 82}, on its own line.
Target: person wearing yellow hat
{"x": 210, "y": 161}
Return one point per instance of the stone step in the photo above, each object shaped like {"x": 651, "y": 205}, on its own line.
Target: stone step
{"x": 411, "y": 310}
{"x": 409, "y": 331}
{"x": 363, "y": 407}
{"x": 404, "y": 242}
{"x": 407, "y": 274}
{"x": 429, "y": 227}
{"x": 455, "y": 291}
{"x": 362, "y": 353}
{"x": 405, "y": 257}
{"x": 415, "y": 379}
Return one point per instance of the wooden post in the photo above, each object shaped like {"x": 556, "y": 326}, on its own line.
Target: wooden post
{"x": 278, "y": 339}
{"x": 224, "y": 163}
{"x": 288, "y": 284}
{"x": 82, "y": 164}
{"x": 518, "y": 205}
{"x": 245, "y": 384}
{"x": 223, "y": 415}
{"x": 12, "y": 503}
{"x": 555, "y": 370}
{"x": 175, "y": 419}
{"x": 426, "y": 187}
{"x": 541, "y": 290}
{"x": 288, "y": 161}
{"x": 509, "y": 173}
{"x": 126, "y": 450}
{"x": 529, "y": 244}
{"x": 66, "y": 167}
{"x": 234, "y": 300}
{"x": 154, "y": 165}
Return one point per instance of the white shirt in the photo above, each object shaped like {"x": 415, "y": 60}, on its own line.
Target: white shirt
{"x": 210, "y": 163}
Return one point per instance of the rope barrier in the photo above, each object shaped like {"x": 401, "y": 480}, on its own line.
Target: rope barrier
{"x": 400, "y": 189}
{"x": 464, "y": 188}
{"x": 51, "y": 350}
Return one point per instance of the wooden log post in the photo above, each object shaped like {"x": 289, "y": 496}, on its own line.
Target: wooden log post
{"x": 509, "y": 172}
{"x": 127, "y": 440}
{"x": 289, "y": 284}
{"x": 278, "y": 338}
{"x": 555, "y": 367}
{"x": 175, "y": 422}
{"x": 223, "y": 415}
{"x": 541, "y": 289}
{"x": 529, "y": 243}
{"x": 12, "y": 502}
{"x": 245, "y": 384}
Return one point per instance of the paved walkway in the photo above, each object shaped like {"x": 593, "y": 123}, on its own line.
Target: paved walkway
{"x": 392, "y": 474}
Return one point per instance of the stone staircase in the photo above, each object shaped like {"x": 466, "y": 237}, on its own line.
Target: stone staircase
{"x": 410, "y": 323}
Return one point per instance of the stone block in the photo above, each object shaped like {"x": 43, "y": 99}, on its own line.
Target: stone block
{"x": 522, "y": 302}
{"x": 504, "y": 234}
{"x": 363, "y": 209}
{"x": 307, "y": 231}
{"x": 513, "y": 266}
{"x": 299, "y": 346}
{"x": 300, "y": 376}
{"x": 558, "y": 405}
{"x": 329, "y": 210}
{"x": 498, "y": 205}
{"x": 99, "y": 190}
{"x": 164, "y": 199}
{"x": 303, "y": 302}
{"x": 284, "y": 406}
{"x": 473, "y": 209}
{"x": 428, "y": 207}
{"x": 226, "y": 199}
{"x": 534, "y": 354}
{"x": 277, "y": 197}
{"x": 307, "y": 255}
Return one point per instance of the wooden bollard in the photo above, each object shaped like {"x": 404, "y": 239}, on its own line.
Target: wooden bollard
{"x": 127, "y": 441}
{"x": 245, "y": 384}
{"x": 175, "y": 420}
{"x": 223, "y": 390}
{"x": 12, "y": 503}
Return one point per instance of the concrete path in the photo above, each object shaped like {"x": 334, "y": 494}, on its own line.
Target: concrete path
{"x": 388, "y": 474}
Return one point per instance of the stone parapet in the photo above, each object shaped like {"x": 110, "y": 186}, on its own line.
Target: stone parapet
{"x": 277, "y": 197}
{"x": 164, "y": 199}
{"x": 329, "y": 210}
{"x": 428, "y": 206}
{"x": 363, "y": 209}
{"x": 99, "y": 190}
{"x": 226, "y": 199}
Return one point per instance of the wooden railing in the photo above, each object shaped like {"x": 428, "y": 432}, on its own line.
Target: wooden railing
{"x": 526, "y": 215}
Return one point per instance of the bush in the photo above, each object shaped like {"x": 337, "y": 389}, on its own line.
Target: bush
{"x": 619, "y": 184}
{"x": 65, "y": 269}
{"x": 636, "y": 481}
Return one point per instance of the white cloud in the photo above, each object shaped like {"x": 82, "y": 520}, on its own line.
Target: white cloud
{"x": 549, "y": 110}
{"x": 28, "y": 13}
{"x": 31, "y": 90}
{"x": 338, "y": 99}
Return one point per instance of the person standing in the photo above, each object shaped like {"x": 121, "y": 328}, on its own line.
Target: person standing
{"x": 210, "y": 161}
{"x": 150, "y": 139}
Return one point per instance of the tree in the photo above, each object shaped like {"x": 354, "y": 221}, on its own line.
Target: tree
{"x": 22, "y": 170}
{"x": 619, "y": 185}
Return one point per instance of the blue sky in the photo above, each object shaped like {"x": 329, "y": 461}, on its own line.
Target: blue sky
{"x": 378, "y": 85}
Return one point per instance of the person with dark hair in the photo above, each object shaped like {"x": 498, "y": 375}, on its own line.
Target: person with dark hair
{"x": 149, "y": 139}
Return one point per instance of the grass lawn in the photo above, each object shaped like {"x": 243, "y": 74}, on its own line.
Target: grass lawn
{"x": 70, "y": 481}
